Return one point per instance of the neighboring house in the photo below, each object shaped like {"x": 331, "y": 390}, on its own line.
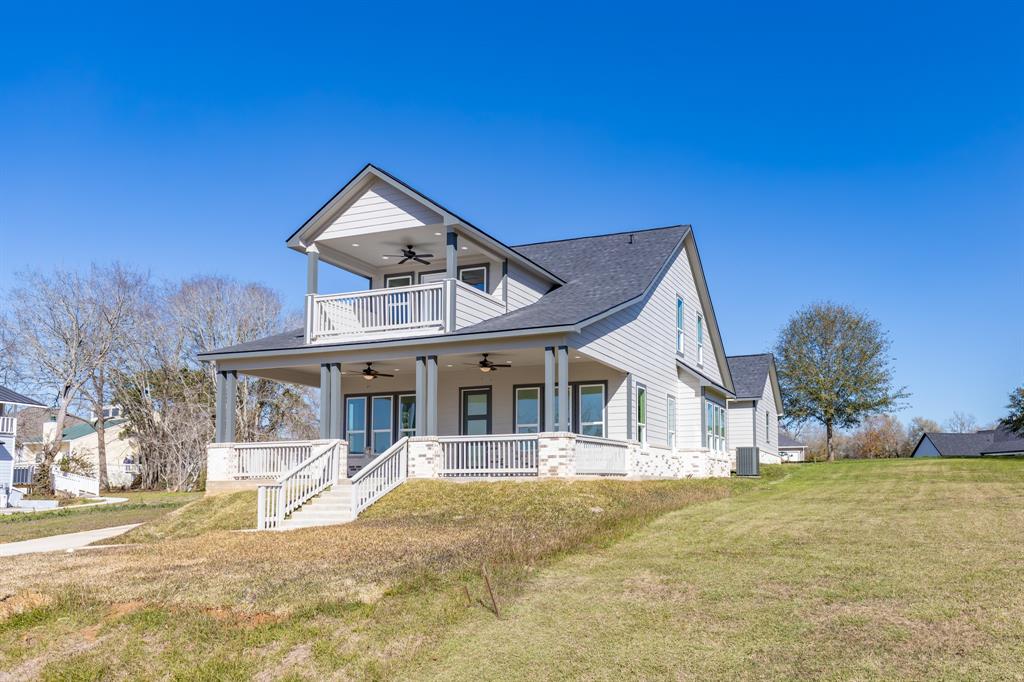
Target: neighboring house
{"x": 790, "y": 449}
{"x": 1000, "y": 441}
{"x": 754, "y": 412}
{"x": 11, "y": 403}
{"x": 83, "y": 440}
{"x": 468, "y": 357}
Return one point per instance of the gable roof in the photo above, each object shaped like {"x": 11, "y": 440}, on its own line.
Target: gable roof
{"x": 14, "y": 398}
{"x": 318, "y": 222}
{"x": 787, "y": 441}
{"x": 749, "y": 374}
{"x": 989, "y": 441}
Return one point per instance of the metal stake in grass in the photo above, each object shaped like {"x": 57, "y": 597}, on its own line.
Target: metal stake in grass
{"x": 469, "y": 600}
{"x": 487, "y": 582}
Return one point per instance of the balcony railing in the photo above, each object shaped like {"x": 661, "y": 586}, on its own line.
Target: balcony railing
{"x": 398, "y": 311}
{"x": 8, "y": 425}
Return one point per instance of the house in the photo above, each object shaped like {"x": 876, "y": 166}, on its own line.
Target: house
{"x": 790, "y": 449}
{"x": 10, "y": 403}
{"x": 467, "y": 357}
{"x": 82, "y": 439}
{"x": 754, "y": 412}
{"x": 999, "y": 441}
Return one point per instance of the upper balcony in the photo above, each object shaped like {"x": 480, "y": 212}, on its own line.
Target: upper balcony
{"x": 429, "y": 271}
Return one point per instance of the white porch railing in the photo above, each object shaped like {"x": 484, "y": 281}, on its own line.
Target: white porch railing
{"x": 8, "y": 425}
{"x": 494, "y": 455}
{"x": 275, "y": 501}
{"x": 601, "y": 456}
{"x": 419, "y": 309}
{"x": 386, "y": 472}
{"x": 270, "y": 459}
{"x": 24, "y": 473}
{"x": 74, "y": 483}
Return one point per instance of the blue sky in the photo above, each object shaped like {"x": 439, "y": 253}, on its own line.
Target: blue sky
{"x": 871, "y": 155}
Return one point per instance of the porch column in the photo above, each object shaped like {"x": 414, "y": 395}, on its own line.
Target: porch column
{"x": 451, "y": 261}
{"x": 218, "y": 407}
{"x": 325, "y": 401}
{"x": 431, "y": 395}
{"x": 421, "y": 395}
{"x": 549, "y": 388}
{"x": 336, "y": 404}
{"x": 563, "y": 389}
{"x": 312, "y": 269}
{"x": 230, "y": 405}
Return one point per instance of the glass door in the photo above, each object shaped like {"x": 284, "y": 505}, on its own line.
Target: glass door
{"x": 476, "y": 411}
{"x": 381, "y": 421}
{"x": 406, "y": 415}
{"x": 355, "y": 425}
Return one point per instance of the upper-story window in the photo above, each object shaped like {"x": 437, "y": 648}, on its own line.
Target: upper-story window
{"x": 391, "y": 281}
{"x": 679, "y": 324}
{"x": 700, "y": 339}
{"x": 475, "y": 276}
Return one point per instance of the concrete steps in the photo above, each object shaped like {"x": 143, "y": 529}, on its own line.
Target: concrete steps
{"x": 334, "y": 506}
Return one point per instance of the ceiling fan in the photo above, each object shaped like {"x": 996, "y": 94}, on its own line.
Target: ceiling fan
{"x": 409, "y": 253}
{"x": 370, "y": 373}
{"x": 486, "y": 365}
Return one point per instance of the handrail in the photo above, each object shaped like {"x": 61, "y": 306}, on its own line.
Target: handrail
{"x": 377, "y": 292}
{"x": 385, "y": 473}
{"x": 419, "y": 308}
{"x": 269, "y": 459}
{"x": 274, "y": 501}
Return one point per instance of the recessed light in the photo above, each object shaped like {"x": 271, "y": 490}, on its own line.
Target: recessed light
{"x": 465, "y": 248}
{"x": 437, "y": 234}
{"x": 395, "y": 370}
{"x": 449, "y": 365}
{"x": 385, "y": 257}
{"x": 355, "y": 245}
{"x": 577, "y": 357}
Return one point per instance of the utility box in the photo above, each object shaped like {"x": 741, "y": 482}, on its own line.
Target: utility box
{"x": 748, "y": 462}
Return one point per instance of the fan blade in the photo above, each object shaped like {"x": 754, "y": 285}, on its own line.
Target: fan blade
{"x": 382, "y": 374}
{"x": 404, "y": 259}
{"x": 395, "y": 255}
{"x": 418, "y": 260}
{"x": 424, "y": 255}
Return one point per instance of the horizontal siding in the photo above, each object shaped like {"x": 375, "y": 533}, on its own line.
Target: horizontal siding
{"x": 524, "y": 288}
{"x": 471, "y": 308}
{"x": 741, "y": 425}
{"x": 381, "y": 205}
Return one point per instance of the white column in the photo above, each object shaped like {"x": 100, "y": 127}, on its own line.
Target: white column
{"x": 563, "y": 389}
{"x": 230, "y": 405}
{"x": 549, "y": 389}
{"x": 218, "y": 407}
{"x": 421, "y": 395}
{"x": 325, "y": 401}
{"x": 337, "y": 408}
{"x": 312, "y": 269}
{"x": 432, "y": 395}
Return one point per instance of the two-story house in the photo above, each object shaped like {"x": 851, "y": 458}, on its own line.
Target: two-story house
{"x": 469, "y": 357}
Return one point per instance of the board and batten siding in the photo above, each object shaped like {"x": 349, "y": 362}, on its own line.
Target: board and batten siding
{"x": 641, "y": 340}
{"x": 381, "y": 206}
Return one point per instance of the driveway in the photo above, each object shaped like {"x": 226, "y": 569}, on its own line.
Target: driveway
{"x": 57, "y": 543}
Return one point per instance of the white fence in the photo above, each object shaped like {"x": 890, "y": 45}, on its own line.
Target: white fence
{"x": 601, "y": 456}
{"x": 275, "y": 501}
{"x": 417, "y": 308}
{"x": 74, "y": 483}
{"x": 385, "y": 473}
{"x": 271, "y": 459}
{"x": 495, "y": 455}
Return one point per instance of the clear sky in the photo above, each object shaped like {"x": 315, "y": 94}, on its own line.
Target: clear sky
{"x": 871, "y": 154}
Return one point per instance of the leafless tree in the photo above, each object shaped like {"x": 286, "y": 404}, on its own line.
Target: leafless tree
{"x": 961, "y": 422}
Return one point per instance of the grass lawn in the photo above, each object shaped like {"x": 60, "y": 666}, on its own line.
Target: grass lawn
{"x": 896, "y": 570}
{"x": 140, "y": 507}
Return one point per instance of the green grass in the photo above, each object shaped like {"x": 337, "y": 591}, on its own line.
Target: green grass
{"x": 236, "y": 511}
{"x": 860, "y": 570}
{"x": 140, "y": 507}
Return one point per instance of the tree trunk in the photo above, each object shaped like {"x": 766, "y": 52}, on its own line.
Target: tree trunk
{"x": 828, "y": 442}
{"x": 98, "y": 383}
{"x": 43, "y": 481}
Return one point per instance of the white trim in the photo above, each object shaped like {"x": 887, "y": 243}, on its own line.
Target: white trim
{"x": 604, "y": 409}
{"x": 515, "y": 410}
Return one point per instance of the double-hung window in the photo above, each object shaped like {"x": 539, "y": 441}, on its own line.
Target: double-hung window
{"x": 527, "y": 409}
{"x": 641, "y": 414}
{"x": 670, "y": 406}
{"x": 700, "y": 339}
{"x": 591, "y": 409}
{"x": 679, "y": 324}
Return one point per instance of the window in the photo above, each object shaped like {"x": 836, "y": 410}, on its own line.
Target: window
{"x": 670, "y": 404}
{"x": 476, "y": 411}
{"x": 381, "y": 420}
{"x": 641, "y": 414}
{"x": 406, "y": 415}
{"x": 700, "y": 339}
{"x": 527, "y": 416}
{"x": 475, "y": 276}
{"x": 129, "y": 465}
{"x": 679, "y": 324}
{"x": 591, "y": 409}
{"x": 767, "y": 437}
{"x": 355, "y": 424}
{"x": 391, "y": 281}
{"x": 714, "y": 424}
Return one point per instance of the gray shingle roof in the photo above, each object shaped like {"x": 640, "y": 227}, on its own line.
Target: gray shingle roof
{"x": 787, "y": 441}
{"x": 15, "y": 398}
{"x": 600, "y": 273}
{"x": 749, "y": 374}
{"x": 991, "y": 441}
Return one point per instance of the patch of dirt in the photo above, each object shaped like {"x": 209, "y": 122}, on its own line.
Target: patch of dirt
{"x": 294, "y": 660}
{"x": 123, "y": 608}
{"x": 13, "y": 604}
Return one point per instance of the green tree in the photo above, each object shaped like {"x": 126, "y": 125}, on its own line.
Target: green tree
{"x": 1015, "y": 420}
{"x": 834, "y": 368}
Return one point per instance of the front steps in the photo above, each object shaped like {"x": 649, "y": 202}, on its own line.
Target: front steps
{"x": 329, "y": 508}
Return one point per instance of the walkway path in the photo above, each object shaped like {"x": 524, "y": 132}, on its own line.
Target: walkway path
{"x": 57, "y": 543}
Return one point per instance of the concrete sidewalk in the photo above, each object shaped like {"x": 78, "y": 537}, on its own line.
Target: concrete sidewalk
{"x": 57, "y": 543}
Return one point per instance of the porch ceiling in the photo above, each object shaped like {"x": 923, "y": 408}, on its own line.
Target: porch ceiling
{"x": 371, "y": 251}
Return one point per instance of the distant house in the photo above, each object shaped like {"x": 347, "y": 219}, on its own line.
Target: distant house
{"x": 754, "y": 412}
{"x": 83, "y": 440}
{"x": 790, "y": 449}
{"x": 1000, "y": 441}
{"x": 10, "y": 403}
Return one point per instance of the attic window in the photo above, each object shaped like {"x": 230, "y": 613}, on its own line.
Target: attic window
{"x": 475, "y": 277}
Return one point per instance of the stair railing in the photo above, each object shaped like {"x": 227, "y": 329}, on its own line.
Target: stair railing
{"x": 274, "y": 501}
{"x": 385, "y": 473}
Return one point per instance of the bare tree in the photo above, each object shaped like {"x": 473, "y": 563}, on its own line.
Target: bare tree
{"x": 834, "y": 368}
{"x": 917, "y": 428}
{"x": 879, "y": 436}
{"x": 961, "y": 422}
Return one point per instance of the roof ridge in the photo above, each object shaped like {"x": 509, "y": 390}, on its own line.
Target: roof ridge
{"x": 604, "y": 234}
{"x": 750, "y": 355}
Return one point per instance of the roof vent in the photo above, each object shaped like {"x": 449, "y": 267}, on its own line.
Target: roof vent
{"x": 630, "y": 238}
